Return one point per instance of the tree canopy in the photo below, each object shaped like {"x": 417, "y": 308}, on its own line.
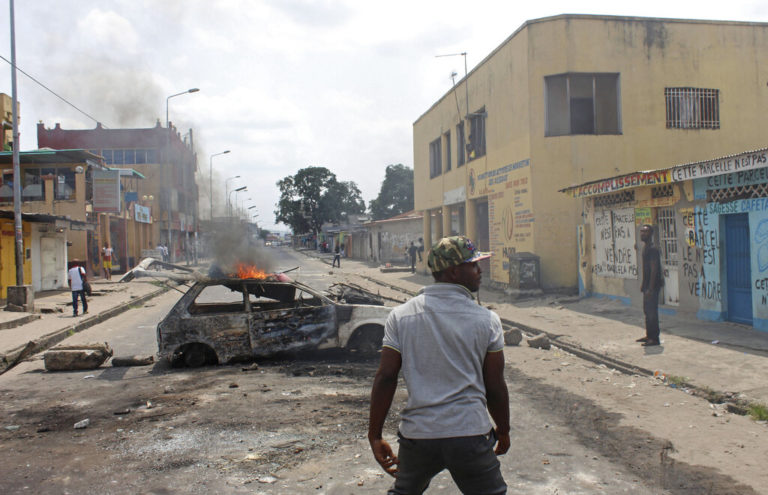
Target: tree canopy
{"x": 396, "y": 194}
{"x": 314, "y": 196}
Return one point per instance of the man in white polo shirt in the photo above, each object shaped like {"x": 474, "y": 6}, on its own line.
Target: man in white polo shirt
{"x": 450, "y": 350}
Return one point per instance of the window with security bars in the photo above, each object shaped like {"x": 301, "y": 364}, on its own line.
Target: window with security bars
{"x": 667, "y": 236}
{"x": 664, "y": 191}
{"x": 692, "y": 108}
{"x": 737, "y": 192}
{"x": 614, "y": 199}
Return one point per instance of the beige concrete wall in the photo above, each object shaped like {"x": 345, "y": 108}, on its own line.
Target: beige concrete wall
{"x": 648, "y": 55}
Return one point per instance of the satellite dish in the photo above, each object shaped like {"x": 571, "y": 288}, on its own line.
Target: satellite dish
{"x": 79, "y": 169}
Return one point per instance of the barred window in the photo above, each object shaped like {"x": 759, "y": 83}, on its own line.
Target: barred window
{"x": 692, "y": 108}
{"x": 614, "y": 199}
{"x": 668, "y": 236}
{"x": 664, "y": 191}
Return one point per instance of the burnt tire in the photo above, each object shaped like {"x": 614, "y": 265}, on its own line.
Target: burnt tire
{"x": 196, "y": 355}
{"x": 366, "y": 339}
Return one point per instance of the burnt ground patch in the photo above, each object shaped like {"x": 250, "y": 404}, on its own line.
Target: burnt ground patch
{"x": 646, "y": 456}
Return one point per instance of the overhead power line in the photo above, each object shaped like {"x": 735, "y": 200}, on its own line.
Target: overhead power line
{"x": 54, "y": 93}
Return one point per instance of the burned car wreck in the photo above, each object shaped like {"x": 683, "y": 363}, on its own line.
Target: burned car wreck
{"x": 223, "y": 320}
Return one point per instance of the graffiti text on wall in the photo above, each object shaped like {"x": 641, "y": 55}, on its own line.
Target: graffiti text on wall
{"x": 700, "y": 260}
{"x": 615, "y": 254}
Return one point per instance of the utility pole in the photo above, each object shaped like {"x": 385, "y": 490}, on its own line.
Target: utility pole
{"x": 16, "y": 164}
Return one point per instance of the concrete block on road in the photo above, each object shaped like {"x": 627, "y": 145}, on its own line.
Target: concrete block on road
{"x": 540, "y": 341}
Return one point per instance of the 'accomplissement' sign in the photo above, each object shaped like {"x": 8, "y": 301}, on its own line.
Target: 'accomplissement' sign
{"x": 623, "y": 182}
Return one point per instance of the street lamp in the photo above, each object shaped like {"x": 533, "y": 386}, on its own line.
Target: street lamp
{"x": 168, "y": 160}
{"x": 191, "y": 90}
{"x": 226, "y": 185}
{"x": 210, "y": 179}
{"x": 239, "y": 189}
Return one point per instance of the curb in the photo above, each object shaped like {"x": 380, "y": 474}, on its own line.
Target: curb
{"x": 18, "y": 322}
{"x": 15, "y": 356}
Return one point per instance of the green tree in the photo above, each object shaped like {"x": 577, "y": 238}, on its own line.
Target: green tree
{"x": 396, "y": 194}
{"x": 314, "y": 196}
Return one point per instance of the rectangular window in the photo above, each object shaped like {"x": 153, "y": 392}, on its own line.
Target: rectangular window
{"x": 447, "y": 139}
{"x": 476, "y": 145}
{"x": 460, "y": 145}
{"x": 668, "y": 236}
{"x": 141, "y": 156}
{"x": 582, "y": 104}
{"x": 692, "y": 108}
{"x": 117, "y": 157}
{"x": 152, "y": 156}
{"x": 31, "y": 185}
{"x": 435, "y": 165}
{"x": 107, "y": 154}
{"x": 64, "y": 186}
{"x": 129, "y": 157}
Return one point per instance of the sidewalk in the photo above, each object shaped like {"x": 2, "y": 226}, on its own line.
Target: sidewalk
{"x": 24, "y": 334}
{"x": 721, "y": 356}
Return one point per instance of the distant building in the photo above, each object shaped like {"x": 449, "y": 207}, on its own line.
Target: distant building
{"x": 571, "y": 99}
{"x": 56, "y": 224}
{"x": 167, "y": 198}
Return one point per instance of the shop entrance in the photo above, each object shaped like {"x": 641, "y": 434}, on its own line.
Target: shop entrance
{"x": 737, "y": 267}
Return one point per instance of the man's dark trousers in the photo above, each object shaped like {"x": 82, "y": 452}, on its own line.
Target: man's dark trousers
{"x": 470, "y": 460}
{"x": 81, "y": 295}
{"x": 651, "y": 310}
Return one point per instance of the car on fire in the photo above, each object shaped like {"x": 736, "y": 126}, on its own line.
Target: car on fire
{"x": 236, "y": 319}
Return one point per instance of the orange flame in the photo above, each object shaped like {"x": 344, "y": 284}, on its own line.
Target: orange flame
{"x": 250, "y": 271}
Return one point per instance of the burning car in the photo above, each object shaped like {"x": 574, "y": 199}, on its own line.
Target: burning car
{"x": 252, "y": 314}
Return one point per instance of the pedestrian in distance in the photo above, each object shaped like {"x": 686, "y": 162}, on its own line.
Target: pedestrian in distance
{"x": 106, "y": 260}
{"x": 450, "y": 350}
{"x": 76, "y": 278}
{"x": 336, "y": 256}
{"x": 412, "y": 250}
{"x": 420, "y": 247}
{"x": 653, "y": 281}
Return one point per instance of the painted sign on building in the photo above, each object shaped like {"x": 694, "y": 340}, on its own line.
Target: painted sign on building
{"x": 106, "y": 191}
{"x": 737, "y": 163}
{"x": 510, "y": 214}
{"x": 142, "y": 214}
{"x": 623, "y": 182}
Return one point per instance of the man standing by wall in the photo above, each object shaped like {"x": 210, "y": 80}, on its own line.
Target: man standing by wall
{"x": 451, "y": 352}
{"x": 651, "y": 286}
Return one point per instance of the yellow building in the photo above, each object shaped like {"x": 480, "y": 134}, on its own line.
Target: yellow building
{"x": 574, "y": 98}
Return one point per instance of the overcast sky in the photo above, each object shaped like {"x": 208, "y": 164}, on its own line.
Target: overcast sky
{"x": 284, "y": 84}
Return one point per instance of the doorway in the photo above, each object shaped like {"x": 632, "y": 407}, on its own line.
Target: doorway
{"x": 737, "y": 267}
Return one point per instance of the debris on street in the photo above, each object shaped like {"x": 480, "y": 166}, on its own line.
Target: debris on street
{"x": 120, "y": 361}
{"x": 77, "y": 357}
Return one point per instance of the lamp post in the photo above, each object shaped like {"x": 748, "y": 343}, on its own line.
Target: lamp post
{"x": 239, "y": 189}
{"x": 210, "y": 179}
{"x": 171, "y": 256}
{"x": 226, "y": 185}
{"x": 242, "y": 206}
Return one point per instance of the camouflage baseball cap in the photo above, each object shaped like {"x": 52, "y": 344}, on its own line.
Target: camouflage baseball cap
{"x": 452, "y": 251}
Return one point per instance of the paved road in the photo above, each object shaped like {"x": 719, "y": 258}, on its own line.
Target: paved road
{"x": 563, "y": 443}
